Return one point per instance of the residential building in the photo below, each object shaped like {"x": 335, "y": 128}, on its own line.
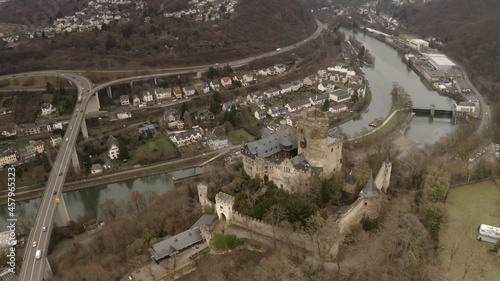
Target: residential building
{"x": 298, "y": 105}
{"x": 96, "y": 169}
{"x": 52, "y": 124}
{"x": 7, "y": 132}
{"x": 216, "y": 142}
{"x": 241, "y": 101}
{"x": 177, "y": 92}
{"x": 124, "y": 100}
{"x": 271, "y": 92}
{"x": 228, "y": 106}
{"x": 204, "y": 114}
{"x": 8, "y": 157}
{"x": 147, "y": 97}
{"x": 55, "y": 140}
{"x": 297, "y": 84}
{"x": 187, "y": 137}
{"x": 113, "y": 148}
{"x": 311, "y": 80}
{"x": 27, "y": 154}
{"x": 320, "y": 99}
{"x": 123, "y": 113}
{"x": 226, "y": 81}
{"x": 173, "y": 119}
{"x": 326, "y": 85}
{"x": 189, "y": 91}
{"x": 39, "y": 146}
{"x": 162, "y": 94}
{"x": 31, "y": 129}
{"x": 136, "y": 101}
{"x": 338, "y": 108}
{"x": 247, "y": 78}
{"x": 276, "y": 110}
{"x": 147, "y": 129}
{"x": 47, "y": 109}
{"x": 279, "y": 68}
{"x": 339, "y": 95}
{"x": 215, "y": 85}
{"x": 356, "y": 88}
{"x": 254, "y": 97}
{"x": 286, "y": 88}
{"x": 260, "y": 114}
{"x": 337, "y": 76}
{"x": 206, "y": 88}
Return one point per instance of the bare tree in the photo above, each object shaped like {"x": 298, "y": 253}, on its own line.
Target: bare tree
{"x": 274, "y": 216}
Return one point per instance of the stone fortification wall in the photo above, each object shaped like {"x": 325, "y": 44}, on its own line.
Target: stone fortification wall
{"x": 370, "y": 206}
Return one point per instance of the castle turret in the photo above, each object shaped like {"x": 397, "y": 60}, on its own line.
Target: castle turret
{"x": 224, "y": 206}
{"x": 370, "y": 189}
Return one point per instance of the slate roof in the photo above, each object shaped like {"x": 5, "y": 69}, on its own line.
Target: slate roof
{"x": 174, "y": 244}
{"x": 204, "y": 219}
{"x": 111, "y": 141}
{"x": 370, "y": 189}
{"x": 285, "y": 138}
{"x": 350, "y": 179}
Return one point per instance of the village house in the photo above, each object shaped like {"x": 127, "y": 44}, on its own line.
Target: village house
{"x": 279, "y": 68}
{"x": 286, "y": 88}
{"x": 187, "y": 137}
{"x": 241, "y": 102}
{"x": 124, "y": 100}
{"x": 297, "y": 84}
{"x": 7, "y": 132}
{"x": 271, "y": 92}
{"x": 47, "y": 109}
{"x": 39, "y": 146}
{"x": 320, "y": 99}
{"x": 206, "y": 88}
{"x": 136, "y": 101}
{"x": 311, "y": 80}
{"x": 96, "y": 169}
{"x": 204, "y": 114}
{"x": 216, "y": 142}
{"x": 237, "y": 78}
{"x": 173, "y": 119}
{"x": 55, "y": 140}
{"x": 147, "y": 129}
{"x": 247, "y": 78}
{"x": 147, "y": 97}
{"x": 123, "y": 112}
{"x": 298, "y": 105}
{"x": 337, "y": 76}
{"x": 226, "y": 81}
{"x": 189, "y": 91}
{"x": 177, "y": 92}
{"x": 326, "y": 85}
{"x": 162, "y": 94}
{"x": 215, "y": 85}
{"x": 228, "y": 106}
{"x": 260, "y": 114}
{"x": 27, "y": 154}
{"x": 356, "y": 88}
{"x": 52, "y": 124}
{"x": 338, "y": 108}
{"x": 113, "y": 148}
{"x": 8, "y": 157}
{"x": 254, "y": 98}
{"x": 31, "y": 129}
{"x": 276, "y": 110}
{"x": 339, "y": 95}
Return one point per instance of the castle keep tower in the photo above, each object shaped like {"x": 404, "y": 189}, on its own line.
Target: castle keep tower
{"x": 318, "y": 148}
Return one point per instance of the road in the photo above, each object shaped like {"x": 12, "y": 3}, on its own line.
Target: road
{"x": 32, "y": 268}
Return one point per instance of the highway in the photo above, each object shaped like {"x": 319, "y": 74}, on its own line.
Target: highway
{"x": 32, "y": 268}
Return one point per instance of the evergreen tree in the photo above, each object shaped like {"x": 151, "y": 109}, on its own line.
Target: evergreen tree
{"x": 184, "y": 108}
{"x": 326, "y": 105}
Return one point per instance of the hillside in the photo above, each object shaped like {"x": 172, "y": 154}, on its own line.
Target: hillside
{"x": 257, "y": 26}
{"x": 469, "y": 31}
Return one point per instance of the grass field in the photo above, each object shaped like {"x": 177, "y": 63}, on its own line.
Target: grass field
{"x": 235, "y": 137}
{"x": 467, "y": 207}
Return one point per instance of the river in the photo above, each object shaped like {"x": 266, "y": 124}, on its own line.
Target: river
{"x": 388, "y": 69}
{"x": 85, "y": 200}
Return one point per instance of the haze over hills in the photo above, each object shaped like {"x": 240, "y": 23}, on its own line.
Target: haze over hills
{"x": 256, "y": 26}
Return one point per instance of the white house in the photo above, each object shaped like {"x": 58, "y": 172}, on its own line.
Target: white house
{"x": 55, "y": 140}
{"x": 215, "y": 85}
{"x": 96, "y": 169}
{"x": 271, "y": 92}
{"x": 216, "y": 142}
{"x": 297, "y": 84}
{"x": 191, "y": 135}
{"x": 276, "y": 110}
{"x": 136, "y": 101}
{"x": 260, "y": 114}
{"x": 206, "y": 88}
{"x": 226, "y": 81}
{"x": 286, "y": 88}
{"x": 124, "y": 114}
{"x": 52, "y": 124}
{"x": 326, "y": 86}
{"x": 359, "y": 88}
{"x": 320, "y": 99}
{"x": 339, "y": 95}
{"x": 298, "y": 105}
{"x": 247, "y": 78}
{"x": 147, "y": 97}
{"x": 189, "y": 91}
{"x": 47, "y": 109}
{"x": 338, "y": 108}
{"x": 227, "y": 106}
{"x": 162, "y": 94}
{"x": 113, "y": 148}
{"x": 9, "y": 132}
{"x": 279, "y": 68}
{"x": 124, "y": 100}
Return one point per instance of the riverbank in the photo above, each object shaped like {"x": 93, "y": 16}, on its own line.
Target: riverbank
{"x": 132, "y": 173}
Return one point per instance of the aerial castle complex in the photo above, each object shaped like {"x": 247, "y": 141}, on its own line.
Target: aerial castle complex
{"x": 291, "y": 156}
